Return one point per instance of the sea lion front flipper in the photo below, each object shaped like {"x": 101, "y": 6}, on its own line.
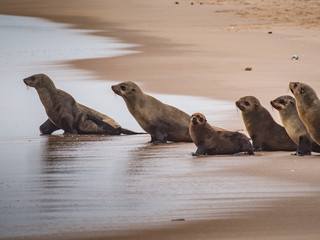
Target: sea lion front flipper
{"x": 304, "y": 147}
{"x": 201, "y": 150}
{"x": 257, "y": 144}
{"x": 48, "y": 127}
{"x": 106, "y": 126}
{"x": 158, "y": 136}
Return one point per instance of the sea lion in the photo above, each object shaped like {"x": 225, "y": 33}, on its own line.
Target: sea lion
{"x": 65, "y": 113}
{"x": 265, "y": 133}
{"x": 308, "y": 106}
{"x": 163, "y": 122}
{"x": 286, "y": 105}
{"x": 212, "y": 142}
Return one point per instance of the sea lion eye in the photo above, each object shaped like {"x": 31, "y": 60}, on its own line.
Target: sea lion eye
{"x": 32, "y": 78}
{"x": 246, "y": 103}
{"x": 281, "y": 101}
{"x": 295, "y": 85}
{"x": 123, "y": 88}
{"x": 200, "y": 119}
{"x": 301, "y": 90}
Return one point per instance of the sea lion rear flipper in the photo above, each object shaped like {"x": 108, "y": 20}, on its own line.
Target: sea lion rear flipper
{"x": 106, "y": 126}
{"x": 48, "y": 127}
{"x": 129, "y": 132}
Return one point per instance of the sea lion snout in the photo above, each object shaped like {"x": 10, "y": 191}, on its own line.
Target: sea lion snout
{"x": 116, "y": 89}
{"x": 25, "y": 81}
{"x": 29, "y": 80}
{"x": 275, "y": 104}
{"x": 239, "y": 105}
{"x": 293, "y": 86}
{"x": 194, "y": 120}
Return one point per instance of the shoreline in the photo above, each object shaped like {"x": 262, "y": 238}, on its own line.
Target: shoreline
{"x": 206, "y": 57}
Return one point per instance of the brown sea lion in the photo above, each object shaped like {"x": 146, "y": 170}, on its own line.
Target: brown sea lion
{"x": 265, "y": 133}
{"x": 308, "y": 106}
{"x": 65, "y": 113}
{"x": 163, "y": 122}
{"x": 213, "y": 142}
{"x": 286, "y": 105}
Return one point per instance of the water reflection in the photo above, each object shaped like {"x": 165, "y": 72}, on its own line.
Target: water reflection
{"x": 62, "y": 183}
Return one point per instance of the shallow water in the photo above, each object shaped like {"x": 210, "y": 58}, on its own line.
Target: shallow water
{"x": 59, "y": 184}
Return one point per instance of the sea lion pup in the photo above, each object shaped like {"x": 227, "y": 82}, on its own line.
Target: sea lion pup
{"x": 265, "y": 133}
{"x": 163, "y": 122}
{"x": 65, "y": 113}
{"x": 211, "y": 141}
{"x": 308, "y": 106}
{"x": 286, "y": 105}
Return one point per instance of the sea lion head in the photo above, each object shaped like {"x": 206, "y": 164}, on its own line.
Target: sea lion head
{"x": 126, "y": 89}
{"x": 198, "y": 119}
{"x": 303, "y": 93}
{"x": 283, "y": 102}
{"x": 39, "y": 81}
{"x": 247, "y": 103}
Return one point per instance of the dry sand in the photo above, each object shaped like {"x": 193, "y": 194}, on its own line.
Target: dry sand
{"x": 201, "y": 48}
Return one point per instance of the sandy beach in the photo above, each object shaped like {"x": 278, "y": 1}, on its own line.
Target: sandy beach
{"x": 201, "y": 48}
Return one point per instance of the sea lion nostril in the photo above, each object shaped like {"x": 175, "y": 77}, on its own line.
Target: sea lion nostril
{"x": 194, "y": 120}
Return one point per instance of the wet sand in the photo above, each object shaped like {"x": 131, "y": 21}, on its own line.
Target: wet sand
{"x": 198, "y": 50}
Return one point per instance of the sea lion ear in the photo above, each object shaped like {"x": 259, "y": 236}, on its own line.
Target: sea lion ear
{"x": 302, "y": 91}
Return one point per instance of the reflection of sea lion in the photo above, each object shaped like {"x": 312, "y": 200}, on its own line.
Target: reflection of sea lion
{"x": 211, "y": 141}
{"x": 65, "y": 113}
{"x": 286, "y": 105}
{"x": 308, "y": 106}
{"x": 161, "y": 121}
{"x": 265, "y": 133}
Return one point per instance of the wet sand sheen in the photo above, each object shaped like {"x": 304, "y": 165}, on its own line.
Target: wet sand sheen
{"x": 100, "y": 183}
